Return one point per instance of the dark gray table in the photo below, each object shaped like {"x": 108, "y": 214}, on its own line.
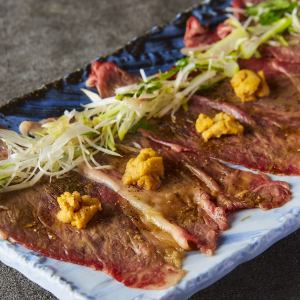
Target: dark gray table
{"x": 40, "y": 40}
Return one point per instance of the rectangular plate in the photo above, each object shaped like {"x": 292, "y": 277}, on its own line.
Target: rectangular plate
{"x": 252, "y": 231}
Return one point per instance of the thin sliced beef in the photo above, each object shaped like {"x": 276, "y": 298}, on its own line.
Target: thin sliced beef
{"x": 193, "y": 211}
{"x": 236, "y": 189}
{"x": 151, "y": 215}
{"x": 274, "y": 69}
{"x": 229, "y": 188}
{"x": 197, "y": 35}
{"x": 107, "y": 76}
{"x": 271, "y": 67}
{"x": 226, "y": 107}
{"x": 272, "y": 143}
{"x": 264, "y": 148}
{"x": 281, "y": 115}
{"x": 111, "y": 242}
{"x": 290, "y": 54}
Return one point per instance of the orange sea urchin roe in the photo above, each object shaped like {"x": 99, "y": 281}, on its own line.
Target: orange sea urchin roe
{"x": 77, "y": 210}
{"x": 221, "y": 124}
{"x": 145, "y": 170}
{"x": 248, "y": 85}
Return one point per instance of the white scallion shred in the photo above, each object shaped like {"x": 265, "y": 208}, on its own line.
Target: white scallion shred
{"x": 295, "y": 20}
{"x": 143, "y": 75}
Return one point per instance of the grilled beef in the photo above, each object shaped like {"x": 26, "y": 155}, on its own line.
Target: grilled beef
{"x": 112, "y": 242}
{"x": 193, "y": 210}
{"x": 106, "y": 77}
{"x": 271, "y": 142}
{"x": 197, "y": 35}
{"x": 230, "y": 188}
{"x": 286, "y": 54}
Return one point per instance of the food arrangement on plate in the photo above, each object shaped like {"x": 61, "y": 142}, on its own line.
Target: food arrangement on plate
{"x": 144, "y": 173}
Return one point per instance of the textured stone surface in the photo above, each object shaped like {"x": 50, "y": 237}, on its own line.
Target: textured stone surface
{"x": 42, "y": 40}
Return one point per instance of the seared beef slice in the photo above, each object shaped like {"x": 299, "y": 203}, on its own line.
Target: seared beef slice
{"x": 111, "y": 242}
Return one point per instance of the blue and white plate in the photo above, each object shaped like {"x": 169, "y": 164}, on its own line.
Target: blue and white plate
{"x": 252, "y": 231}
